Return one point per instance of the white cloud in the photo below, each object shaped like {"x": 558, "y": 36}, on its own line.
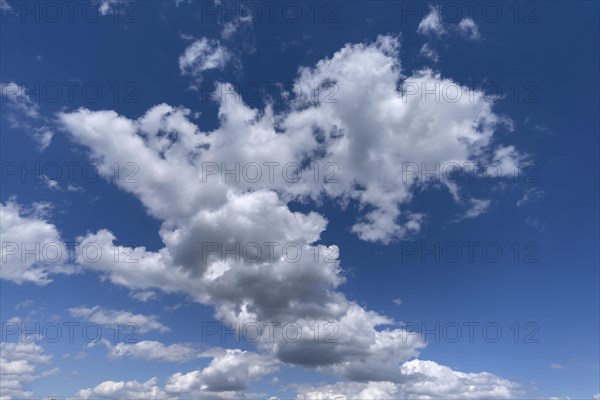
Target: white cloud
{"x": 18, "y": 367}
{"x": 432, "y": 23}
{"x": 468, "y": 29}
{"x": 50, "y": 183}
{"x": 368, "y": 132}
{"x": 201, "y": 56}
{"x": 230, "y": 371}
{"x": 227, "y": 376}
{"x": 124, "y": 390}
{"x": 506, "y": 161}
{"x": 24, "y": 304}
{"x": 231, "y": 27}
{"x": 31, "y": 247}
{"x": 143, "y": 295}
{"x": 397, "y": 301}
{"x": 556, "y": 366}
{"x": 106, "y": 7}
{"x": 429, "y": 53}
{"x": 420, "y": 380}
{"x": 151, "y": 350}
{"x": 103, "y": 316}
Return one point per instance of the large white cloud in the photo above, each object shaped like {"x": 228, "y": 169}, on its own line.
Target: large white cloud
{"x": 228, "y": 375}
{"x": 124, "y": 390}
{"x": 31, "y": 247}
{"x": 432, "y": 23}
{"x": 369, "y": 133}
{"x": 419, "y": 380}
{"x": 230, "y": 371}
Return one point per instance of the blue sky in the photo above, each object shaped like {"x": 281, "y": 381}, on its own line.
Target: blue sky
{"x": 118, "y": 128}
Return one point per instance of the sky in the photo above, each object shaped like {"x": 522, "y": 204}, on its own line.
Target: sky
{"x": 299, "y": 200}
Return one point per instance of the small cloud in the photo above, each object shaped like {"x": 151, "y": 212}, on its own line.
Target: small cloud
{"x": 542, "y": 129}
{"x": 478, "y": 207}
{"x": 73, "y": 188}
{"x": 201, "y": 56}
{"x": 556, "y": 366}
{"x": 432, "y": 23}
{"x": 24, "y": 304}
{"x": 173, "y": 307}
{"x": 230, "y": 28}
{"x": 429, "y": 53}
{"x": 143, "y": 296}
{"x": 397, "y": 301}
{"x": 38, "y": 58}
{"x": 50, "y": 183}
{"x": 532, "y": 194}
{"x": 468, "y": 29}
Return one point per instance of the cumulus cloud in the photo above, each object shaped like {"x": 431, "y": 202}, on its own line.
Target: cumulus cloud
{"x": 383, "y": 131}
{"x": 17, "y": 98}
{"x": 228, "y": 373}
{"x": 433, "y": 25}
{"x": 231, "y": 27}
{"x": 367, "y": 134}
{"x": 227, "y": 376}
{"x": 103, "y": 316}
{"x": 31, "y": 247}
{"x": 18, "y": 366}
{"x": 420, "y": 380}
